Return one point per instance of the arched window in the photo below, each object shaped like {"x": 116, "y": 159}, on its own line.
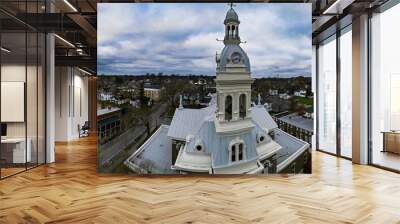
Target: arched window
{"x": 237, "y": 151}
{"x": 228, "y": 31}
{"x": 242, "y": 106}
{"x": 240, "y": 153}
{"x": 233, "y": 31}
{"x": 233, "y": 153}
{"x": 228, "y": 108}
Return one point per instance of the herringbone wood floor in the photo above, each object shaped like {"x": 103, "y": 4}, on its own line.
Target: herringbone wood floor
{"x": 70, "y": 191}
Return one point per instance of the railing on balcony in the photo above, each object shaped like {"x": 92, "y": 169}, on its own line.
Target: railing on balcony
{"x": 291, "y": 129}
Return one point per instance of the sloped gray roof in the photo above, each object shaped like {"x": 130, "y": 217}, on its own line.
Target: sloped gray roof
{"x": 299, "y": 121}
{"x": 231, "y": 15}
{"x": 104, "y": 111}
{"x": 260, "y": 116}
{"x": 188, "y": 121}
{"x": 154, "y": 155}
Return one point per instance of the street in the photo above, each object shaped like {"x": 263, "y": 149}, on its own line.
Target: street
{"x": 116, "y": 145}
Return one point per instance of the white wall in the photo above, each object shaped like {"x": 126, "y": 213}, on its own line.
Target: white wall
{"x": 61, "y": 103}
{"x": 71, "y": 102}
{"x": 14, "y": 73}
{"x": 17, "y": 73}
{"x": 34, "y": 124}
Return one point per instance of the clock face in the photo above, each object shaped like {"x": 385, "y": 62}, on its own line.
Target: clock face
{"x": 236, "y": 58}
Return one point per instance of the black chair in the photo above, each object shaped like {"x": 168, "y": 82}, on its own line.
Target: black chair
{"x": 84, "y": 130}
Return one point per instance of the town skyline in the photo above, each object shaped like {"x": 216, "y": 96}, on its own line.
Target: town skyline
{"x": 277, "y": 76}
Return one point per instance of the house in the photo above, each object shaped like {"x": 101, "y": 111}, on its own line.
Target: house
{"x": 268, "y": 106}
{"x": 301, "y": 93}
{"x": 153, "y": 91}
{"x": 273, "y": 92}
{"x": 108, "y": 123}
{"x": 103, "y": 96}
{"x": 309, "y": 113}
{"x": 284, "y": 96}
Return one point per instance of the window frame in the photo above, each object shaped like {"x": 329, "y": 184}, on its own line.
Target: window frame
{"x": 236, "y": 148}
{"x": 333, "y": 37}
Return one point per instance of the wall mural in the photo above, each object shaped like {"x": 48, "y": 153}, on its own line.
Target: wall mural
{"x": 204, "y": 88}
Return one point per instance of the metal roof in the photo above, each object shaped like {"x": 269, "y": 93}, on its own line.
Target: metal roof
{"x": 196, "y": 127}
{"x": 154, "y": 155}
{"x": 292, "y": 147}
{"x": 299, "y": 121}
{"x": 104, "y": 111}
{"x": 231, "y": 15}
{"x": 188, "y": 121}
{"x": 261, "y": 117}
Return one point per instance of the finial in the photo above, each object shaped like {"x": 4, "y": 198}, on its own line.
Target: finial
{"x": 231, "y": 5}
{"x": 180, "y": 102}
{"x": 259, "y": 100}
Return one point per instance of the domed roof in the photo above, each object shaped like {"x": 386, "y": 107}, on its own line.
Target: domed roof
{"x": 231, "y": 16}
{"x": 226, "y": 57}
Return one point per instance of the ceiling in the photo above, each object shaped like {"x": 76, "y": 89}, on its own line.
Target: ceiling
{"x": 75, "y": 22}
{"x": 332, "y": 15}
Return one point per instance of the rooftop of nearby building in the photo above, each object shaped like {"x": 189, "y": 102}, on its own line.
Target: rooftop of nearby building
{"x": 154, "y": 156}
{"x": 298, "y": 121}
{"x": 109, "y": 110}
{"x": 292, "y": 147}
{"x": 148, "y": 85}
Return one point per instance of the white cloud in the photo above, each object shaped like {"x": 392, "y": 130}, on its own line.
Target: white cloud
{"x": 139, "y": 38}
{"x": 202, "y": 40}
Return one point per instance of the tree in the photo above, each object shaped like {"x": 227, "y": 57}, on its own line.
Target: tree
{"x": 144, "y": 100}
{"x": 300, "y": 110}
{"x": 144, "y": 116}
{"x": 173, "y": 89}
{"x": 308, "y": 92}
{"x": 293, "y": 104}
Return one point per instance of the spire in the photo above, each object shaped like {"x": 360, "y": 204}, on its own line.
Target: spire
{"x": 231, "y": 27}
{"x": 180, "y": 102}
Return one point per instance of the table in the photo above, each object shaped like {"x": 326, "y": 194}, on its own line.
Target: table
{"x": 391, "y": 141}
{"x": 13, "y": 150}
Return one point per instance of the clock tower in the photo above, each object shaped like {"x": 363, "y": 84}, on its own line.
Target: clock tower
{"x": 233, "y": 81}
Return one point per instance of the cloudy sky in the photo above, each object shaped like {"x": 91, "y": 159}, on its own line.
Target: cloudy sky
{"x": 136, "y": 39}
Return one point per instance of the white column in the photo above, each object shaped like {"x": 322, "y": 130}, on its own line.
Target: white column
{"x": 235, "y": 106}
{"x": 248, "y": 102}
{"x": 222, "y": 105}
{"x": 50, "y": 94}
{"x": 237, "y": 31}
{"x": 360, "y": 90}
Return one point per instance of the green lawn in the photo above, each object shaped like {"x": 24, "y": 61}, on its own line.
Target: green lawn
{"x": 304, "y": 100}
